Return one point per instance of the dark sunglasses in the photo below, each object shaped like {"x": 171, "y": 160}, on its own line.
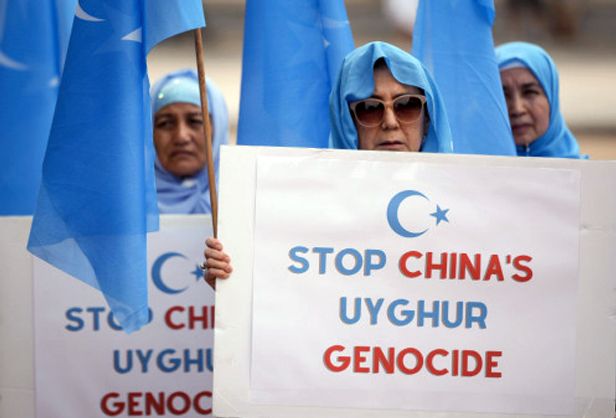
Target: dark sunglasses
{"x": 370, "y": 112}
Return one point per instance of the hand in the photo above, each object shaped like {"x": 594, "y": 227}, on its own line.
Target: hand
{"x": 217, "y": 262}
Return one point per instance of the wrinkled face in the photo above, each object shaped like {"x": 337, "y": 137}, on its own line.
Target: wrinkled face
{"x": 179, "y": 139}
{"x": 527, "y": 105}
{"x": 391, "y": 134}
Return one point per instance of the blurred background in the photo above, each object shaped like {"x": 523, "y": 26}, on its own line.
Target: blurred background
{"x": 580, "y": 35}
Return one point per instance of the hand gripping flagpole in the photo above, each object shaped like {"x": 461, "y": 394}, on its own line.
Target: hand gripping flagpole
{"x": 207, "y": 130}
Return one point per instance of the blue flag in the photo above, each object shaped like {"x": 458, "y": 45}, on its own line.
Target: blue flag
{"x": 454, "y": 41}
{"x": 97, "y": 198}
{"x": 292, "y": 52}
{"x": 33, "y": 40}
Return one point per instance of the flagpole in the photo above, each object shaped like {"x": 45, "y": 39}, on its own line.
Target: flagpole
{"x": 207, "y": 130}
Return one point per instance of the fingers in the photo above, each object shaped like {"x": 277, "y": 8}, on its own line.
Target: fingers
{"x": 214, "y": 243}
{"x": 217, "y": 262}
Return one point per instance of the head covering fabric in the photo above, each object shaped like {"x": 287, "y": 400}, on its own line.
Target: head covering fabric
{"x": 189, "y": 195}
{"x": 355, "y": 81}
{"x": 557, "y": 141}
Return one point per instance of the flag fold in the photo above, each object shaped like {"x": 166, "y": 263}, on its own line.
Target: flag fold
{"x": 97, "y": 198}
{"x": 454, "y": 41}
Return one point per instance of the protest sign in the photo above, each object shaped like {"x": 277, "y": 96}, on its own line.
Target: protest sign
{"x": 86, "y": 365}
{"x": 393, "y": 284}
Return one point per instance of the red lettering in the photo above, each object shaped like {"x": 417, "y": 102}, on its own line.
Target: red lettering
{"x": 494, "y": 268}
{"x": 491, "y": 363}
{"x": 197, "y": 405}
{"x": 133, "y": 403}
{"x": 402, "y": 264}
{"x": 118, "y": 407}
{"x": 466, "y": 371}
{"x": 184, "y": 398}
{"x": 467, "y": 266}
{"x": 168, "y": 314}
{"x": 418, "y": 361}
{"x": 431, "y": 265}
{"x": 153, "y": 404}
{"x": 359, "y": 359}
{"x": 430, "y": 364}
{"x": 523, "y": 268}
{"x": 344, "y": 360}
{"x": 379, "y": 359}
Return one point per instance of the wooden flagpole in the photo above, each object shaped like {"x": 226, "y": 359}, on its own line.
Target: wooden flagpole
{"x": 207, "y": 130}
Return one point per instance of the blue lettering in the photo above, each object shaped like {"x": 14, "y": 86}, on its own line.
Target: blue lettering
{"x": 370, "y": 265}
{"x": 343, "y": 311}
{"x": 423, "y": 314}
{"x": 407, "y": 315}
{"x": 322, "y": 251}
{"x": 116, "y": 362}
{"x": 295, "y": 257}
{"x": 71, "y": 315}
{"x": 459, "y": 315}
{"x": 358, "y": 261}
{"x": 374, "y": 309}
{"x": 480, "y": 318}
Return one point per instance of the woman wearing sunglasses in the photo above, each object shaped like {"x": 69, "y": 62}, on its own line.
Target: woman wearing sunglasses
{"x": 530, "y": 83}
{"x": 384, "y": 99}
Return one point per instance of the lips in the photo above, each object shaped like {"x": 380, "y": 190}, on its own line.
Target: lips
{"x": 391, "y": 145}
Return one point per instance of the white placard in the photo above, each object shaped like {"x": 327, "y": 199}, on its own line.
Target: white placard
{"x": 413, "y": 291}
{"x": 87, "y": 367}
{"x": 274, "y": 325}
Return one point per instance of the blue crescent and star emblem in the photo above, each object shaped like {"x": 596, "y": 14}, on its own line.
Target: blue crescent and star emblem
{"x": 393, "y": 219}
{"x": 157, "y": 278}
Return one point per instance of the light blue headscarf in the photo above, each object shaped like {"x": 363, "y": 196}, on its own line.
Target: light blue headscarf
{"x": 189, "y": 195}
{"x": 557, "y": 141}
{"x": 356, "y": 82}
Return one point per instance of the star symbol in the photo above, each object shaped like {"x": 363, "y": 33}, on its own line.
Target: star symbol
{"x": 197, "y": 272}
{"x": 440, "y": 215}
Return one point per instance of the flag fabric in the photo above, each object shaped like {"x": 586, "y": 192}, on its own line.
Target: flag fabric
{"x": 97, "y": 198}
{"x": 292, "y": 52}
{"x": 453, "y": 38}
{"x": 33, "y": 40}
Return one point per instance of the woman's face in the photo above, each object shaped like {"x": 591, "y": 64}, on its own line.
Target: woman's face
{"x": 527, "y": 105}
{"x": 390, "y": 134}
{"x": 179, "y": 139}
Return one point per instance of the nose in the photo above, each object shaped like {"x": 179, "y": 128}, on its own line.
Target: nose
{"x": 390, "y": 120}
{"x": 182, "y": 133}
{"x": 515, "y": 105}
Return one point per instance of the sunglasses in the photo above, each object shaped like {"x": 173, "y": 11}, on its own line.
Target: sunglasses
{"x": 370, "y": 112}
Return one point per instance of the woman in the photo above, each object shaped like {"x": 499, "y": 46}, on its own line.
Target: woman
{"x": 369, "y": 80}
{"x": 530, "y": 83}
{"x": 383, "y": 99}
{"x": 180, "y": 166}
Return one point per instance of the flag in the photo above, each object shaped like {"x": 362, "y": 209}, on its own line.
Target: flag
{"x": 292, "y": 52}
{"x": 453, "y": 39}
{"x": 33, "y": 40}
{"x": 97, "y": 197}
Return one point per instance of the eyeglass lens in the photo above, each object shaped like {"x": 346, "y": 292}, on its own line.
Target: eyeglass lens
{"x": 406, "y": 108}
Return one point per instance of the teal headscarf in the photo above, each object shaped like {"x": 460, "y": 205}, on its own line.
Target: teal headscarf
{"x": 557, "y": 141}
{"x": 355, "y": 81}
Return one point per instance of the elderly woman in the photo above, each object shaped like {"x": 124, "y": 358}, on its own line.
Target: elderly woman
{"x": 383, "y": 99}
{"x": 180, "y": 167}
{"x": 530, "y": 83}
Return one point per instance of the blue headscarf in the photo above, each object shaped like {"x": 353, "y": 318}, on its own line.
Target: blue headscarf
{"x": 557, "y": 141}
{"x": 189, "y": 195}
{"x": 355, "y": 81}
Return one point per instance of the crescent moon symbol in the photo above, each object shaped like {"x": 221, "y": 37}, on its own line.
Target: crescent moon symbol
{"x": 392, "y": 214}
{"x": 157, "y": 278}
{"x": 10, "y": 63}
{"x": 81, "y": 14}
